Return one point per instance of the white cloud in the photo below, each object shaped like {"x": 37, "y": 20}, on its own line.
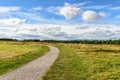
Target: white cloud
{"x": 69, "y": 11}
{"x": 37, "y": 8}
{"x": 12, "y": 21}
{"x": 90, "y": 16}
{"x": 55, "y": 9}
{"x": 60, "y": 32}
{"x": 4, "y": 9}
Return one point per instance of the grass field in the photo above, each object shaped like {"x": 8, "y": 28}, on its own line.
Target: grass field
{"x": 11, "y": 49}
{"x": 75, "y": 61}
{"x": 16, "y": 54}
{"x": 86, "y": 62}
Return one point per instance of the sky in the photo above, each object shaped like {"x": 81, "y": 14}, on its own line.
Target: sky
{"x": 60, "y": 19}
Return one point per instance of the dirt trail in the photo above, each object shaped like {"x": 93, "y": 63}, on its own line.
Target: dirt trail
{"x": 35, "y": 69}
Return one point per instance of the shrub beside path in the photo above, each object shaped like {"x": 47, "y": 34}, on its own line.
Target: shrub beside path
{"x": 35, "y": 69}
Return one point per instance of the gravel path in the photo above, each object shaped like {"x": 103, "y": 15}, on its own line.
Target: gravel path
{"x": 35, "y": 69}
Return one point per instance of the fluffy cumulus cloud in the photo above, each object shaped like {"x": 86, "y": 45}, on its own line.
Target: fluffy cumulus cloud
{"x": 8, "y": 9}
{"x": 90, "y": 16}
{"x": 12, "y": 21}
{"x": 69, "y": 11}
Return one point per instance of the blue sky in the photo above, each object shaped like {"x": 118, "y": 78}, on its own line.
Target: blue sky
{"x": 60, "y": 19}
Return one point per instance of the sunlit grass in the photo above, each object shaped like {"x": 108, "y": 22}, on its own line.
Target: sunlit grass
{"x": 11, "y": 49}
{"x": 23, "y": 53}
{"x": 86, "y": 62}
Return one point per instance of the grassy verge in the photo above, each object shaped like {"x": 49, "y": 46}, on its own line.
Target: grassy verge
{"x": 83, "y": 62}
{"x": 9, "y": 64}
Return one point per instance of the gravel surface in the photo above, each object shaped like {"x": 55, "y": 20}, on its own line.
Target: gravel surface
{"x": 35, "y": 69}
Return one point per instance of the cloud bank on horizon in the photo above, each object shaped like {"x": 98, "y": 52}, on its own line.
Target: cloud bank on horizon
{"x": 60, "y": 20}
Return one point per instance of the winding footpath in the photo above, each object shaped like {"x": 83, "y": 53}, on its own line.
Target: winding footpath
{"x": 35, "y": 69}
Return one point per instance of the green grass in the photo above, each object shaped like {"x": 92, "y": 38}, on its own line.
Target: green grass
{"x": 86, "y": 62}
{"x": 8, "y": 64}
{"x": 11, "y": 49}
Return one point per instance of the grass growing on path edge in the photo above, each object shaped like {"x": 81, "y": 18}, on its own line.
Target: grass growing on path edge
{"x": 64, "y": 66}
{"x": 9, "y": 64}
{"x": 81, "y": 64}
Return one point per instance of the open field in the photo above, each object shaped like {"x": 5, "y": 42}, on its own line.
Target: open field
{"x": 16, "y": 54}
{"x": 11, "y": 49}
{"x": 75, "y": 61}
{"x": 86, "y": 62}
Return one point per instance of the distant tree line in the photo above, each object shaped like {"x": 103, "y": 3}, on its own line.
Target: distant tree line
{"x": 95, "y": 41}
{"x": 7, "y": 39}
{"x": 76, "y": 41}
{"x": 31, "y": 40}
{"x": 67, "y": 41}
